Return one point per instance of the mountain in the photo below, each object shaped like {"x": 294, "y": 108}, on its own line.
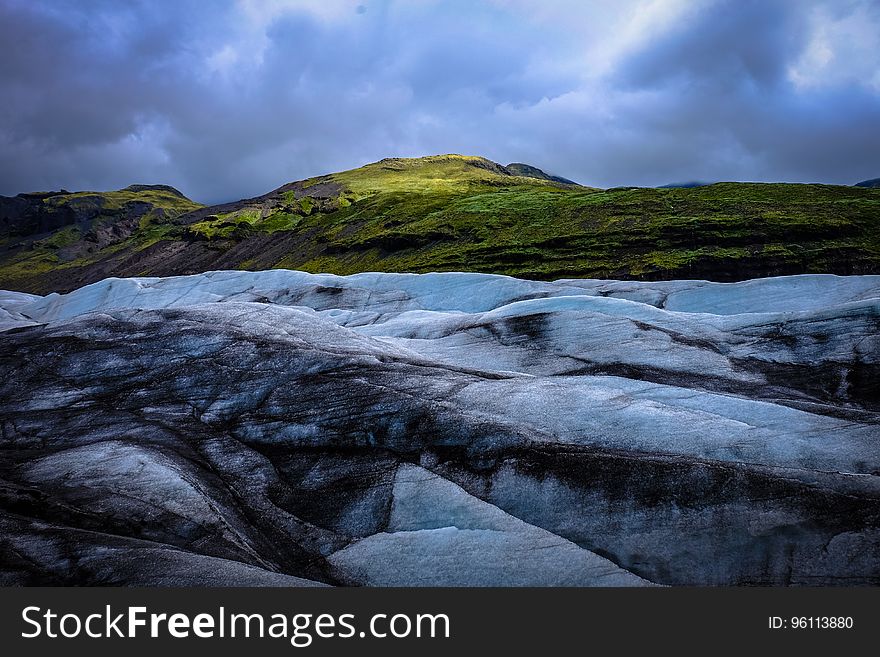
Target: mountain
{"x": 279, "y": 427}
{"x": 528, "y": 171}
{"x": 685, "y": 185}
{"x": 47, "y": 236}
{"x": 35, "y": 214}
{"x": 444, "y": 213}
{"x": 874, "y": 183}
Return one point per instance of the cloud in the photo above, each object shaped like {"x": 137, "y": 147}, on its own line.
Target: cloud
{"x": 237, "y": 100}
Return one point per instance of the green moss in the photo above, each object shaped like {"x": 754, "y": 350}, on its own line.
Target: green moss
{"x": 151, "y": 236}
{"x": 244, "y": 222}
{"x": 278, "y": 221}
{"x": 27, "y": 266}
{"x": 173, "y": 204}
{"x": 459, "y": 213}
{"x": 60, "y": 238}
{"x": 545, "y": 231}
{"x": 227, "y": 226}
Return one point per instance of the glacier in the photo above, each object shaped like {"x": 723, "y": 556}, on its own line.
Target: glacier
{"x": 293, "y": 429}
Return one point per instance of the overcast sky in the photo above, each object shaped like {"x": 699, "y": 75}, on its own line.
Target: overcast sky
{"x": 231, "y": 99}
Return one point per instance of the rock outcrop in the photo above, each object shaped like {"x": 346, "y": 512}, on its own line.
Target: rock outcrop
{"x": 283, "y": 428}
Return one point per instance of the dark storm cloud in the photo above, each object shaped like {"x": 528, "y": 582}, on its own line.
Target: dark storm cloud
{"x": 729, "y": 45}
{"x": 730, "y": 103}
{"x": 226, "y": 100}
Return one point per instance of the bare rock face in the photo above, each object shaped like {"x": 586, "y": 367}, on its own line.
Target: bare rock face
{"x": 282, "y": 428}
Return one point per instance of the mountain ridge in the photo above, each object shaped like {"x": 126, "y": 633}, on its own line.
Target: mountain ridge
{"x": 443, "y": 213}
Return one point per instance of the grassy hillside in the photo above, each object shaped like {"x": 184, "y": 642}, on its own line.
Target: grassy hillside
{"x": 453, "y": 212}
{"x": 50, "y": 236}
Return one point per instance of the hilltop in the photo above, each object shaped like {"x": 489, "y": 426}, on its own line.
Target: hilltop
{"x": 444, "y": 213}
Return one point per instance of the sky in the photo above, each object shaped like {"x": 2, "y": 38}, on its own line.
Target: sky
{"x": 230, "y": 99}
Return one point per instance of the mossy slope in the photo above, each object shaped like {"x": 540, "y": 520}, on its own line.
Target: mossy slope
{"x": 452, "y": 212}
{"x": 47, "y": 236}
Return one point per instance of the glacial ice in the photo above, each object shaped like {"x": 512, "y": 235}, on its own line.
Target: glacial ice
{"x": 449, "y": 428}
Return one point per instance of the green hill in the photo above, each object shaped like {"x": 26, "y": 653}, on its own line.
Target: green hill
{"x": 451, "y": 212}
